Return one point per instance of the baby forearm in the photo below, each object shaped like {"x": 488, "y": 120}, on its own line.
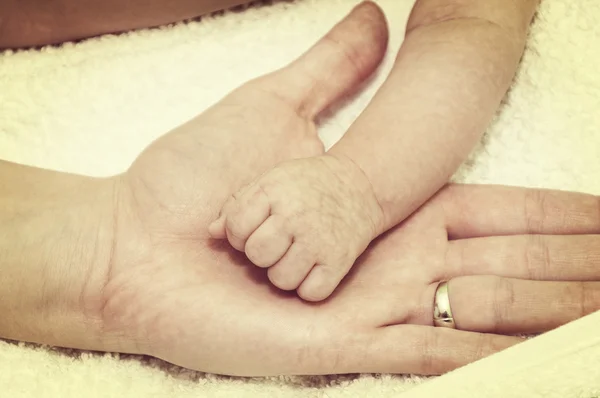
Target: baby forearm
{"x": 448, "y": 81}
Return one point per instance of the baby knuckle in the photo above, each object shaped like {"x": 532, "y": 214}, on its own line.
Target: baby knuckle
{"x": 263, "y": 190}
{"x": 229, "y": 204}
{"x": 291, "y": 221}
{"x": 281, "y": 280}
{"x": 254, "y": 251}
{"x": 235, "y": 226}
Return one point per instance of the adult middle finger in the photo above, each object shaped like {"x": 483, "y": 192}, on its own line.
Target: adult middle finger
{"x": 536, "y": 257}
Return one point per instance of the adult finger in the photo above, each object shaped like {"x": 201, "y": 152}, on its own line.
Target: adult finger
{"x": 414, "y": 349}
{"x": 336, "y": 65}
{"x": 485, "y": 210}
{"x": 505, "y": 305}
{"x": 535, "y": 257}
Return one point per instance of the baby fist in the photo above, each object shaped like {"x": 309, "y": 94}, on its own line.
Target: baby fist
{"x": 307, "y": 220}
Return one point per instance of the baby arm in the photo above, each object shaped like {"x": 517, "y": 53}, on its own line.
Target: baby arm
{"x": 309, "y": 219}
{"x": 452, "y": 71}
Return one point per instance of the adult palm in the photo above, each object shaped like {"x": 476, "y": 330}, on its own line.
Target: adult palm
{"x": 173, "y": 293}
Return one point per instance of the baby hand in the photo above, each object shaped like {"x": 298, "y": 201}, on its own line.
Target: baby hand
{"x": 307, "y": 220}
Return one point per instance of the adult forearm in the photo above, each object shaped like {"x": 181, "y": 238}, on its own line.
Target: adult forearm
{"x": 449, "y": 78}
{"x": 25, "y": 23}
{"x": 55, "y": 245}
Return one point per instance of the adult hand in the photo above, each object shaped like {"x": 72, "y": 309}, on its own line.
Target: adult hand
{"x": 518, "y": 260}
{"x": 173, "y": 293}
{"x": 170, "y": 289}
{"x": 104, "y": 264}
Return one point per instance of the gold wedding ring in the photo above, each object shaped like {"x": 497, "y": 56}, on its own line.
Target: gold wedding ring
{"x": 442, "y": 313}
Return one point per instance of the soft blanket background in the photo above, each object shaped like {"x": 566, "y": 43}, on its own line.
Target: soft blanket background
{"x": 92, "y": 107}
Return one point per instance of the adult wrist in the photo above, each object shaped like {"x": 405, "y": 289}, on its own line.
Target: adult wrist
{"x": 55, "y": 250}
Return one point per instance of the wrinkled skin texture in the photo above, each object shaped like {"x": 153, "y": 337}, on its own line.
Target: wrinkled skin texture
{"x": 307, "y": 219}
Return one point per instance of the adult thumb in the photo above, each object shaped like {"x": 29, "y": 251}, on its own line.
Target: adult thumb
{"x": 335, "y": 66}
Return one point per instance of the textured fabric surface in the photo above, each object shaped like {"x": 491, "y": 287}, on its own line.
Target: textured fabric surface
{"x": 92, "y": 107}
